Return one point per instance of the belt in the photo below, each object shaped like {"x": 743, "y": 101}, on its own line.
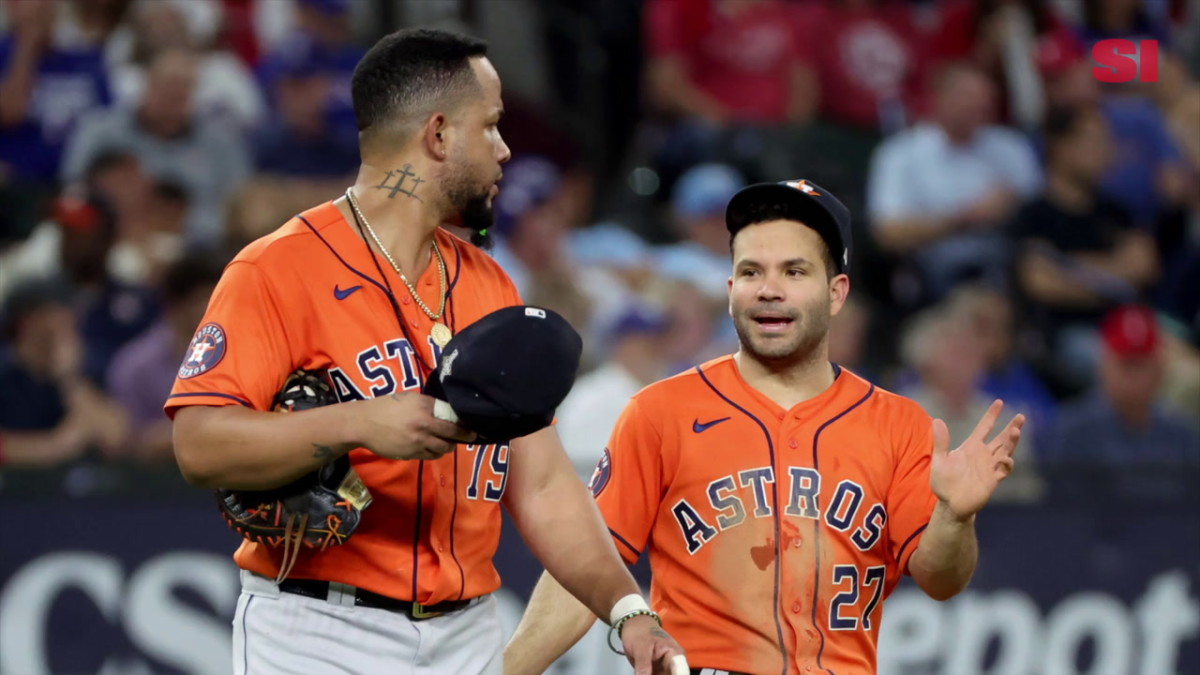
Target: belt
{"x": 312, "y": 588}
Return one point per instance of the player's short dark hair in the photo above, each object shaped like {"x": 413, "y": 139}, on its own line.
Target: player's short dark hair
{"x": 189, "y": 273}
{"x": 766, "y": 211}
{"x": 409, "y": 74}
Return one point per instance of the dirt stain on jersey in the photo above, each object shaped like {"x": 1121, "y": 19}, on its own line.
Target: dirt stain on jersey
{"x": 763, "y": 555}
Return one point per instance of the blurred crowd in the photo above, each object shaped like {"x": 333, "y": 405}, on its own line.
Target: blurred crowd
{"x": 1023, "y": 230}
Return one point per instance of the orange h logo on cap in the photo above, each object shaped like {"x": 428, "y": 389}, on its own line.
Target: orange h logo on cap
{"x": 803, "y": 186}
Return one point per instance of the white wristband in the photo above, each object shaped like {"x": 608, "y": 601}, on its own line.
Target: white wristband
{"x": 630, "y": 603}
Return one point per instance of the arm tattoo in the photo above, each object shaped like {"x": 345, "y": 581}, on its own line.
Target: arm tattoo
{"x": 659, "y": 633}
{"x": 401, "y": 186}
{"x": 323, "y": 452}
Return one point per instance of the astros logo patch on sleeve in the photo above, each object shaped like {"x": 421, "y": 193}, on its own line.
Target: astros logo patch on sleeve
{"x": 205, "y": 351}
{"x": 601, "y": 475}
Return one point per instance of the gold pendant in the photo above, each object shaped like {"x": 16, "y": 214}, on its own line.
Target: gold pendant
{"x": 441, "y": 334}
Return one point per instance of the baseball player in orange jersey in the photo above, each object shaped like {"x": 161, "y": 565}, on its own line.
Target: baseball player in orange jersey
{"x": 369, "y": 287}
{"x": 779, "y": 496}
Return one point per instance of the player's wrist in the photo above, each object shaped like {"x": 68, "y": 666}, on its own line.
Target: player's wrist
{"x": 349, "y": 424}
{"x": 949, "y": 513}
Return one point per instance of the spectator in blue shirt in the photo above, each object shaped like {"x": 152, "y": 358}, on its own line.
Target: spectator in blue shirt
{"x": 325, "y": 43}
{"x": 44, "y": 90}
{"x": 304, "y": 140}
{"x": 1149, "y": 175}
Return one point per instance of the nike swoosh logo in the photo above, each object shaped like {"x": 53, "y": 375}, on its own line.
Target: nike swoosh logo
{"x": 342, "y": 295}
{"x": 701, "y": 428}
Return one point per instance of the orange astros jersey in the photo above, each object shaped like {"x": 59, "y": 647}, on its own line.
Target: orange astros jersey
{"x": 309, "y": 296}
{"x": 774, "y": 535}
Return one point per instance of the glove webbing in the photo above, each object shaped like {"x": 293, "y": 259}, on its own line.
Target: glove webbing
{"x": 293, "y": 539}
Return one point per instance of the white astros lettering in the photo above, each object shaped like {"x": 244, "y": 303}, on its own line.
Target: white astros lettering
{"x": 727, "y": 509}
{"x": 376, "y": 369}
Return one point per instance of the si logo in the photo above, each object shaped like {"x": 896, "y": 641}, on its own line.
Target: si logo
{"x": 205, "y": 351}
{"x": 601, "y": 475}
{"x": 1125, "y": 60}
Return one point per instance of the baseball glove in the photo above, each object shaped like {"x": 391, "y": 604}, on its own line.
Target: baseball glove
{"x": 316, "y": 511}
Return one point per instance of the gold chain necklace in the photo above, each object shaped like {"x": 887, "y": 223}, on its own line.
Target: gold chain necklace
{"x": 440, "y": 333}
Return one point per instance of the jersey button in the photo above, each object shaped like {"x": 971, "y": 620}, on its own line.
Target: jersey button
{"x": 404, "y": 300}
{"x": 795, "y": 608}
{"x": 414, "y": 323}
{"x": 796, "y": 542}
{"x": 443, "y": 481}
{"x": 793, "y": 444}
{"x": 441, "y": 548}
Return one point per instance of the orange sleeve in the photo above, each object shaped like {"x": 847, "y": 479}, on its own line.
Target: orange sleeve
{"x": 910, "y": 500}
{"x": 627, "y": 483}
{"x": 240, "y": 354}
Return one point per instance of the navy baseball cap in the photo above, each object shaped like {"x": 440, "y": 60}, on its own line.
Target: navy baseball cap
{"x": 799, "y": 200}
{"x": 505, "y": 374}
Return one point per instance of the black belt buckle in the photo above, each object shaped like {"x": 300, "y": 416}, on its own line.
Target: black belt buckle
{"x": 420, "y": 612}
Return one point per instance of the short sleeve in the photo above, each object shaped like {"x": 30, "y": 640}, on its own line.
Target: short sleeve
{"x": 240, "y": 353}
{"x": 910, "y": 501}
{"x": 628, "y": 480}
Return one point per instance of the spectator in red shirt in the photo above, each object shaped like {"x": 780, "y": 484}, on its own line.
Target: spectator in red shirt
{"x": 726, "y": 61}
{"x": 868, "y": 60}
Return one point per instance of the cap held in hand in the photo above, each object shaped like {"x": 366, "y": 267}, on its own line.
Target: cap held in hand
{"x": 503, "y": 376}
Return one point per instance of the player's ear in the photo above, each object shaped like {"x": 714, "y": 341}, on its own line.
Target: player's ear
{"x": 839, "y": 290}
{"x": 436, "y": 135}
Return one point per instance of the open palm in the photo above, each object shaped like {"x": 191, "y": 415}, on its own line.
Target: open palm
{"x": 966, "y": 478}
